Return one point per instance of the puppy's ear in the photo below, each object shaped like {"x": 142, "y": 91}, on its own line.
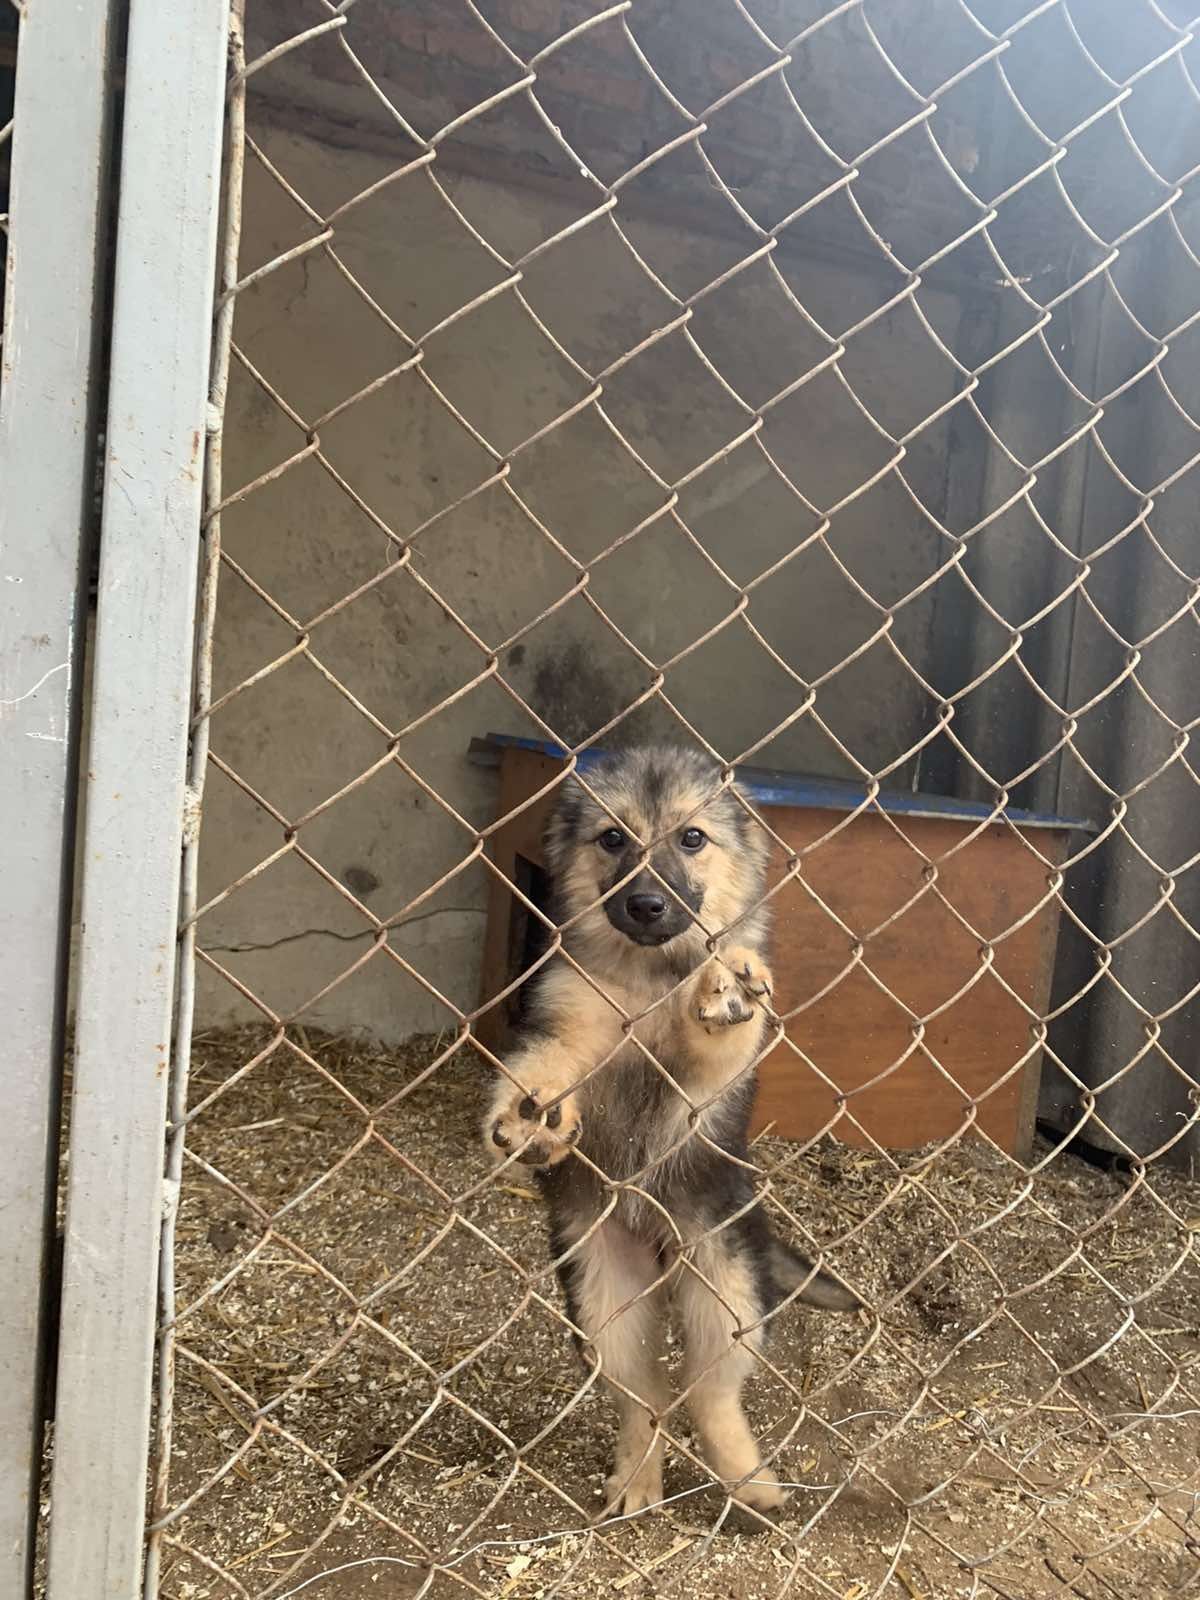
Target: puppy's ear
{"x": 562, "y": 826}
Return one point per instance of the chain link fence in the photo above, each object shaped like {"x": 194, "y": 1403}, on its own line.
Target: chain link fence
{"x": 813, "y": 385}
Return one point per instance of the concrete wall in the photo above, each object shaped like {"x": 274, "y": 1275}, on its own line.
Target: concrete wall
{"x": 286, "y": 933}
{"x": 301, "y": 538}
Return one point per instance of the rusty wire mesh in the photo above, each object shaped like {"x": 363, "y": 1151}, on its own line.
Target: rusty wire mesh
{"x": 848, "y": 325}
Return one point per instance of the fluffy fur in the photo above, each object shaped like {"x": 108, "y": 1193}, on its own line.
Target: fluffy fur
{"x": 631, "y": 1096}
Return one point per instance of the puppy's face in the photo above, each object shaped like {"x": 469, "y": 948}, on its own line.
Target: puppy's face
{"x": 653, "y": 907}
{"x": 657, "y": 813}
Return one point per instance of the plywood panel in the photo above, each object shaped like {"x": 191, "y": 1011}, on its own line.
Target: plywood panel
{"x": 917, "y": 948}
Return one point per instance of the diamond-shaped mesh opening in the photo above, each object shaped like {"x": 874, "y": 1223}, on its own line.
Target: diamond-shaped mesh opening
{"x": 811, "y": 384}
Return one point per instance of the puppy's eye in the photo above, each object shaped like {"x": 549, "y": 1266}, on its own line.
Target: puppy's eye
{"x": 611, "y": 839}
{"x": 693, "y": 839}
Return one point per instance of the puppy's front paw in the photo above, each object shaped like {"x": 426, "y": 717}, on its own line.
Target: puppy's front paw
{"x": 728, "y": 988}
{"x": 540, "y": 1138}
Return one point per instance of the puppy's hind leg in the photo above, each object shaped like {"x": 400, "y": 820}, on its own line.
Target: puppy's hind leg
{"x": 722, "y": 1334}
{"x": 610, "y": 1282}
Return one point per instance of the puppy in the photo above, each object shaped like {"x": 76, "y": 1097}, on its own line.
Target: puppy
{"x": 631, "y": 1096}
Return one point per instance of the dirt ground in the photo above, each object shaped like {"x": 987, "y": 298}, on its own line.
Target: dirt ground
{"x": 373, "y": 1372}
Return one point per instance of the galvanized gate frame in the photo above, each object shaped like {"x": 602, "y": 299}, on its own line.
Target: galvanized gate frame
{"x": 48, "y": 406}
{"x": 157, "y": 416}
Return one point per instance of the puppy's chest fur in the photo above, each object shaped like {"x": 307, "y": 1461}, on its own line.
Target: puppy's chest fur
{"x": 634, "y": 1116}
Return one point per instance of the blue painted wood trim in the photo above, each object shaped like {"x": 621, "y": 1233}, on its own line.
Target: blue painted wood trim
{"x": 767, "y": 788}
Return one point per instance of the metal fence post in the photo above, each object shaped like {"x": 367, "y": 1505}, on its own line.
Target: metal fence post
{"x": 166, "y": 238}
{"x": 55, "y": 270}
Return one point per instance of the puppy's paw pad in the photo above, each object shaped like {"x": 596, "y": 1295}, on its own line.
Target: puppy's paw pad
{"x": 728, "y": 988}
{"x": 748, "y": 970}
{"x": 752, "y": 976}
{"x": 722, "y": 1010}
{"x": 540, "y": 1138}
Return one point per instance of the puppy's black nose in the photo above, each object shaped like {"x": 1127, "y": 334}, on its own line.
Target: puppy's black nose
{"x": 645, "y": 907}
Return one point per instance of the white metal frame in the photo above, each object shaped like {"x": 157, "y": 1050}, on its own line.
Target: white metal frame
{"x": 48, "y": 410}
{"x": 150, "y": 547}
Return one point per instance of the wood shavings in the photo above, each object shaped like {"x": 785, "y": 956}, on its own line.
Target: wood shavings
{"x": 660, "y": 1560}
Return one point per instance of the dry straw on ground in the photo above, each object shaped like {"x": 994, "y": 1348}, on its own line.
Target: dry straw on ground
{"x": 396, "y": 1340}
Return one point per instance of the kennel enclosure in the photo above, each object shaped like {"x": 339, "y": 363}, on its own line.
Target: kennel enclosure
{"x": 813, "y": 382}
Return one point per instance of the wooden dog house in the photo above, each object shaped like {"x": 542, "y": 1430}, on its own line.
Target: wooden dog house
{"x": 971, "y": 953}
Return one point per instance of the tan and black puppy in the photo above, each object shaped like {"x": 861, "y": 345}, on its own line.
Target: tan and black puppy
{"x": 639, "y": 1133}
